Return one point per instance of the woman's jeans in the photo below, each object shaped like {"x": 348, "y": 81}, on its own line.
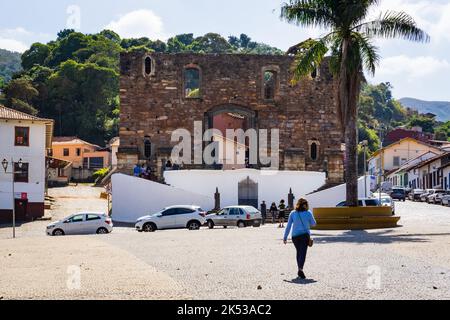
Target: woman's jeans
{"x": 301, "y": 244}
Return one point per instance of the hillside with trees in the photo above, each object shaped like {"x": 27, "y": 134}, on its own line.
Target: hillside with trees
{"x": 10, "y": 64}
{"x": 440, "y": 108}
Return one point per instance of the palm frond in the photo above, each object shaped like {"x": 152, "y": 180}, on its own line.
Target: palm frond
{"x": 368, "y": 52}
{"x": 309, "y": 56}
{"x": 308, "y": 13}
{"x": 394, "y": 25}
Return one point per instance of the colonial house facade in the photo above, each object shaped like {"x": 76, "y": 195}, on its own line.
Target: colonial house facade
{"x": 24, "y": 141}
{"x": 397, "y": 154}
{"x": 404, "y": 176}
{"x": 429, "y": 174}
{"x": 85, "y": 157}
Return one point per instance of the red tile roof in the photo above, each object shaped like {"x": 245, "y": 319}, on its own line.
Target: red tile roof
{"x": 11, "y": 114}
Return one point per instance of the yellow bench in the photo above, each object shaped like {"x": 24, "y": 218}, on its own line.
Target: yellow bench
{"x": 355, "y": 218}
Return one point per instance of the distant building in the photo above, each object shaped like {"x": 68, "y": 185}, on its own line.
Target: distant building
{"x": 397, "y": 154}
{"x": 114, "y": 145}
{"x": 27, "y": 139}
{"x": 430, "y": 173}
{"x": 402, "y": 133}
{"x": 85, "y": 157}
{"x": 403, "y": 176}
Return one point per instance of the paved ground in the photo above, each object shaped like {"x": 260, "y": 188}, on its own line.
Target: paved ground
{"x": 408, "y": 262}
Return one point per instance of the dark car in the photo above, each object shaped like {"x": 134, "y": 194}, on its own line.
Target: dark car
{"x": 398, "y": 194}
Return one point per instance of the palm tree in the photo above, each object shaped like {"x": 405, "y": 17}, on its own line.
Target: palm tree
{"x": 349, "y": 41}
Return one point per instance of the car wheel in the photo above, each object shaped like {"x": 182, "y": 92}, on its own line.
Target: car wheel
{"x": 149, "y": 227}
{"x": 102, "y": 231}
{"x": 58, "y": 233}
{"x": 257, "y": 224}
{"x": 241, "y": 224}
{"x": 225, "y": 227}
{"x": 210, "y": 224}
{"x": 193, "y": 225}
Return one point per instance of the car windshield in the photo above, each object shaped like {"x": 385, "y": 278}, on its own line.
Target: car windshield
{"x": 251, "y": 209}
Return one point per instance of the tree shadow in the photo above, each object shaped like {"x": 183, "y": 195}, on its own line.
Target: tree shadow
{"x": 301, "y": 281}
{"x": 382, "y": 237}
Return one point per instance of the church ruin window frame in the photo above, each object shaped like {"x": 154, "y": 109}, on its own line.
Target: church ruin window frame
{"x": 152, "y": 66}
{"x": 276, "y": 71}
{"x": 186, "y": 68}
{"x": 310, "y": 146}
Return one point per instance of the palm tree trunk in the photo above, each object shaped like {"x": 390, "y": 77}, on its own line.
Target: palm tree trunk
{"x": 348, "y": 95}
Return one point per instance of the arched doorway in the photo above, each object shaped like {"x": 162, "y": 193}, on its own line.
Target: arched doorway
{"x": 231, "y": 117}
{"x": 248, "y": 193}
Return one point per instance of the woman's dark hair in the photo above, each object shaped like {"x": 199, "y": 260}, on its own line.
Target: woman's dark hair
{"x": 302, "y": 205}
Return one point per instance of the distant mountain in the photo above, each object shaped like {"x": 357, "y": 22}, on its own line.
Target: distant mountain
{"x": 440, "y": 108}
{"x": 10, "y": 63}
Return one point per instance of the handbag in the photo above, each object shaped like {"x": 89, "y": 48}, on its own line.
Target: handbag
{"x": 310, "y": 240}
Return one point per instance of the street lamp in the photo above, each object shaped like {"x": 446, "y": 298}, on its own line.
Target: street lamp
{"x": 13, "y": 173}
{"x": 364, "y": 144}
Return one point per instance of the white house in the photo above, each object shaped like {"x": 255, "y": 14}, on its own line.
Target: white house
{"x": 429, "y": 174}
{"x": 404, "y": 176}
{"x": 24, "y": 141}
{"x": 397, "y": 154}
{"x": 445, "y": 173}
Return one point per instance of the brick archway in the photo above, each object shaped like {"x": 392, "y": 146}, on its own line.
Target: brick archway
{"x": 249, "y": 115}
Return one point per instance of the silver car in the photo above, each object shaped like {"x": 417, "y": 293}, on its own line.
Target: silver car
{"x": 81, "y": 223}
{"x": 236, "y": 216}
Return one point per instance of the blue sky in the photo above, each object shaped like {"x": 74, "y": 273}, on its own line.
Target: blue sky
{"x": 417, "y": 70}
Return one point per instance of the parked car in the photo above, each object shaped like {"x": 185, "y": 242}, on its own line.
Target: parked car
{"x": 174, "y": 217}
{"x": 81, "y": 223}
{"x": 386, "y": 201}
{"x": 398, "y": 194}
{"x": 424, "y": 196}
{"x": 437, "y": 196}
{"x": 240, "y": 216}
{"x": 365, "y": 202}
{"x": 445, "y": 201}
{"x": 415, "y": 194}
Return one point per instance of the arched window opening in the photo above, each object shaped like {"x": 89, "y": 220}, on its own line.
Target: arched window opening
{"x": 270, "y": 81}
{"x": 314, "y": 151}
{"x": 148, "y": 66}
{"x": 192, "y": 83}
{"x": 147, "y": 148}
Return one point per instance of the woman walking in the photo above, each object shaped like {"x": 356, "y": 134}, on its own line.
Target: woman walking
{"x": 300, "y": 221}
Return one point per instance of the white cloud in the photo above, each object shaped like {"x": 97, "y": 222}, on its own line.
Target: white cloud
{"x": 139, "y": 23}
{"x": 412, "y": 68}
{"x": 13, "y": 45}
{"x": 19, "y": 39}
{"x": 433, "y": 16}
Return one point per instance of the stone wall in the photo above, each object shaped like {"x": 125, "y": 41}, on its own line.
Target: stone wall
{"x": 154, "y": 105}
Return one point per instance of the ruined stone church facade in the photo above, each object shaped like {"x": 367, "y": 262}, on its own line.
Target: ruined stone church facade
{"x": 160, "y": 93}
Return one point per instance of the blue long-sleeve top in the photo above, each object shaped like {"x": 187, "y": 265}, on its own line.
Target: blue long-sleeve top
{"x": 300, "y": 223}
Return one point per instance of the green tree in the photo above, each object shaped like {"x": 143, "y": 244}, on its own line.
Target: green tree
{"x": 350, "y": 42}
{"x": 36, "y": 55}
{"x": 426, "y": 123}
{"x": 20, "y": 94}
{"x": 211, "y": 43}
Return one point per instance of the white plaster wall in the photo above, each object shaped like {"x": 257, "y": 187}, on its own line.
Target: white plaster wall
{"x": 273, "y": 185}
{"x": 34, "y": 155}
{"x": 134, "y": 197}
{"x": 331, "y": 197}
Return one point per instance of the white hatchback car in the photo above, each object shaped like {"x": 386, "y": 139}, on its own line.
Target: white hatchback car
{"x": 175, "y": 217}
{"x": 81, "y": 223}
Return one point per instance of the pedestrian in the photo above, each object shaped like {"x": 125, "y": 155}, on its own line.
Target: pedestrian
{"x": 137, "y": 170}
{"x": 273, "y": 211}
{"x": 300, "y": 221}
{"x": 264, "y": 212}
{"x": 282, "y": 213}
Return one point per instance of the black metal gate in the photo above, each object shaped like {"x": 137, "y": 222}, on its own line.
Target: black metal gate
{"x": 248, "y": 193}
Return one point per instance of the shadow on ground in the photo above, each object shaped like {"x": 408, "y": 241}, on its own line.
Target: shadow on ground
{"x": 383, "y": 237}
